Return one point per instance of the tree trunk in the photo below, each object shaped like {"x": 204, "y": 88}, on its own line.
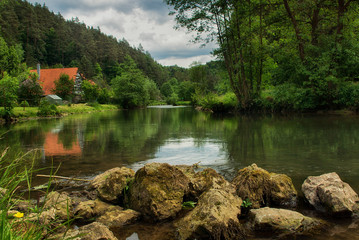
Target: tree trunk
{"x": 296, "y": 29}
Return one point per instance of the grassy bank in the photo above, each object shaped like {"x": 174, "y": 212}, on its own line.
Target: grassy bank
{"x": 31, "y": 112}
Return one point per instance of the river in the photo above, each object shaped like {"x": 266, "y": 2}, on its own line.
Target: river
{"x": 299, "y": 146}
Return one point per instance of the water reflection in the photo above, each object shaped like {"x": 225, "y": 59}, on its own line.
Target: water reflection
{"x": 85, "y": 145}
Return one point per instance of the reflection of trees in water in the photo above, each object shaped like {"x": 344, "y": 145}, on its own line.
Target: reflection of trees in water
{"x": 295, "y": 144}
{"x": 129, "y": 136}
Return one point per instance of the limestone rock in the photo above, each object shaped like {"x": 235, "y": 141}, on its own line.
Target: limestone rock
{"x": 263, "y": 188}
{"x": 118, "y": 218}
{"x": 283, "y": 223}
{"x": 157, "y": 191}
{"x": 93, "y": 231}
{"x": 89, "y": 210}
{"x": 57, "y": 206}
{"x": 111, "y": 184}
{"x": 203, "y": 180}
{"x": 214, "y": 217}
{"x": 329, "y": 193}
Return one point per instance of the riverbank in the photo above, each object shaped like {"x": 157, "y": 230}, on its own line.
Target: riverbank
{"x": 192, "y": 202}
{"x": 30, "y": 113}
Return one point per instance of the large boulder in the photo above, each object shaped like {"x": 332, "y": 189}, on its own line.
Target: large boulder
{"x": 201, "y": 181}
{"x": 93, "y": 231}
{"x": 329, "y": 193}
{"x": 157, "y": 191}
{"x": 216, "y": 216}
{"x": 282, "y": 223}
{"x": 263, "y": 188}
{"x": 111, "y": 184}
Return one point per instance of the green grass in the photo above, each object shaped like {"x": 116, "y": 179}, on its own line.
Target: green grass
{"x": 12, "y": 174}
{"x": 31, "y": 112}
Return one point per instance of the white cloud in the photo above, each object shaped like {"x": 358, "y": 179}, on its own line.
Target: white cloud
{"x": 144, "y": 22}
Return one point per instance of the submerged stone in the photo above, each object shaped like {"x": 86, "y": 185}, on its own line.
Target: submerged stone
{"x": 263, "y": 188}
{"x": 93, "y": 231}
{"x": 157, "y": 191}
{"x": 282, "y": 223}
{"x": 329, "y": 193}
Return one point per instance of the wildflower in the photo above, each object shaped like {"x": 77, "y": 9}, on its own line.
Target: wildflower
{"x": 19, "y": 215}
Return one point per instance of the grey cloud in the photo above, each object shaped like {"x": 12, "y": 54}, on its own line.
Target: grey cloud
{"x": 147, "y": 36}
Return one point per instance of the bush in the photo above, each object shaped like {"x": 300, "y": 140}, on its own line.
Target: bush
{"x": 104, "y": 96}
{"x": 173, "y": 99}
{"x": 47, "y": 109}
{"x": 348, "y": 95}
{"x": 215, "y": 103}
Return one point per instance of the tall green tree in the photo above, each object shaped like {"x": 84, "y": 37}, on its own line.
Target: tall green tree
{"x": 237, "y": 27}
{"x": 129, "y": 85}
{"x": 8, "y": 92}
{"x": 64, "y": 86}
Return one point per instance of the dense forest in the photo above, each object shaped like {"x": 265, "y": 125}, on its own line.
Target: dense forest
{"x": 282, "y": 54}
{"x": 272, "y": 56}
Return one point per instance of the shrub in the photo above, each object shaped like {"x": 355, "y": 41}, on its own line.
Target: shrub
{"x": 24, "y": 104}
{"x": 47, "y": 109}
{"x": 173, "y": 99}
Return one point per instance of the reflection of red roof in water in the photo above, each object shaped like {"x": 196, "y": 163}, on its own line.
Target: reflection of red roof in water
{"x": 53, "y": 147}
{"x": 49, "y": 76}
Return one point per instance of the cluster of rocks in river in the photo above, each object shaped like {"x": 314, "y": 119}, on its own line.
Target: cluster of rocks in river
{"x": 157, "y": 192}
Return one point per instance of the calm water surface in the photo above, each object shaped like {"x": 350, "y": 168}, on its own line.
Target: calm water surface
{"x": 299, "y": 146}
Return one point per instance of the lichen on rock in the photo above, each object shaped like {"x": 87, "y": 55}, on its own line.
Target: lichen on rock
{"x": 157, "y": 191}
{"x": 283, "y": 223}
{"x": 216, "y": 216}
{"x": 110, "y": 185}
{"x": 263, "y": 188}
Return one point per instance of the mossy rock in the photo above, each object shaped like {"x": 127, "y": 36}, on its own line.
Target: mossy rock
{"x": 263, "y": 188}
{"x": 215, "y": 217}
{"x": 283, "y": 223}
{"x": 111, "y": 184}
{"x": 157, "y": 191}
{"x": 202, "y": 181}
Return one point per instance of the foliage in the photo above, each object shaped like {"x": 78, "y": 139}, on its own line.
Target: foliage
{"x": 246, "y": 203}
{"x": 311, "y": 46}
{"x": 30, "y": 90}
{"x": 12, "y": 175}
{"x": 91, "y": 91}
{"x": 130, "y": 87}
{"x": 24, "y": 104}
{"x": 104, "y": 96}
{"x": 10, "y": 58}
{"x": 64, "y": 86}
{"x": 189, "y": 205}
{"x": 8, "y": 94}
{"x": 50, "y": 39}
{"x": 47, "y": 109}
{"x": 173, "y": 99}
{"x": 167, "y": 89}
{"x": 216, "y": 103}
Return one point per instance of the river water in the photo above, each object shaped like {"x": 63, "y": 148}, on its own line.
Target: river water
{"x": 299, "y": 146}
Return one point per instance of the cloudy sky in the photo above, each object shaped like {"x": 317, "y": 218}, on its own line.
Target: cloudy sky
{"x": 143, "y": 22}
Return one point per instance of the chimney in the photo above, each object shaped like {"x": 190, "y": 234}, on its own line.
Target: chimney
{"x": 38, "y": 71}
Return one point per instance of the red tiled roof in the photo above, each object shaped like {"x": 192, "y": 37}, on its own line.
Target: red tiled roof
{"x": 48, "y": 77}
